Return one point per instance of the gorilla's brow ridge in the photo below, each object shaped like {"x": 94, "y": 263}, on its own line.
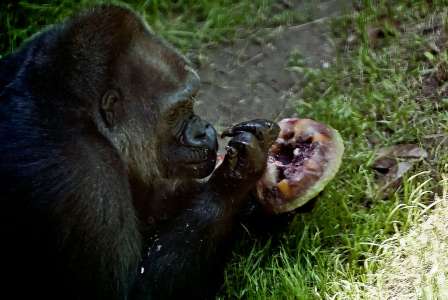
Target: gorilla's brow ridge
{"x": 184, "y": 94}
{"x": 154, "y": 56}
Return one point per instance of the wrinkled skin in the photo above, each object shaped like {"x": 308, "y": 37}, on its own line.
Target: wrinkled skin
{"x": 100, "y": 152}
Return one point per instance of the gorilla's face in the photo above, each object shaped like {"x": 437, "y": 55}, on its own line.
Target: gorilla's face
{"x": 187, "y": 144}
{"x": 152, "y": 123}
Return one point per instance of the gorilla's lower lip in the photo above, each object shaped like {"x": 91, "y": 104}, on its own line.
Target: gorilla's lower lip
{"x": 198, "y": 162}
{"x": 190, "y": 163}
{"x": 201, "y": 169}
{"x": 200, "y": 156}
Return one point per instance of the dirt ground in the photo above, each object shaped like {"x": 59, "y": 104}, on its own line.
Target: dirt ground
{"x": 249, "y": 79}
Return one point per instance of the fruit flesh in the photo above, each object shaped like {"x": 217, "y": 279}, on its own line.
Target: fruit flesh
{"x": 290, "y": 158}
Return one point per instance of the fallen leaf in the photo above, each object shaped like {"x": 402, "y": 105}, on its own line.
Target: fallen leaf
{"x": 392, "y": 163}
{"x": 392, "y": 180}
{"x": 404, "y": 151}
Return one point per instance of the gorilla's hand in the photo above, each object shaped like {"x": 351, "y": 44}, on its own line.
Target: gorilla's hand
{"x": 265, "y": 131}
{"x": 246, "y": 156}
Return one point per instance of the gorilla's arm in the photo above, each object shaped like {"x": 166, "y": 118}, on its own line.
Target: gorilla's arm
{"x": 187, "y": 256}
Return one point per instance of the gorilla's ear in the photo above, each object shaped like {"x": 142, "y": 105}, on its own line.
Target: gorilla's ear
{"x": 109, "y": 108}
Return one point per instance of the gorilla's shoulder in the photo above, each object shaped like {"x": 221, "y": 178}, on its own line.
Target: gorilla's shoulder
{"x": 13, "y": 66}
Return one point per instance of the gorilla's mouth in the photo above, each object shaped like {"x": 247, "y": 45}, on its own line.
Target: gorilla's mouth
{"x": 198, "y": 155}
{"x": 200, "y": 162}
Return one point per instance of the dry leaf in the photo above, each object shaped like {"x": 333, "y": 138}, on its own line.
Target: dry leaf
{"x": 392, "y": 163}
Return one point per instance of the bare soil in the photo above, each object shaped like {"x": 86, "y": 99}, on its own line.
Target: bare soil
{"x": 249, "y": 79}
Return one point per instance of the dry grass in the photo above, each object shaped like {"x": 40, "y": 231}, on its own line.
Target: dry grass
{"x": 413, "y": 265}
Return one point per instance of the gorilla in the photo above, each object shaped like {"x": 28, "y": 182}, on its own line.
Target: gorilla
{"x": 103, "y": 167}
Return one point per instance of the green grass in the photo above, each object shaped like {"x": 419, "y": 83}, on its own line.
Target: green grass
{"x": 373, "y": 94}
{"x": 186, "y": 23}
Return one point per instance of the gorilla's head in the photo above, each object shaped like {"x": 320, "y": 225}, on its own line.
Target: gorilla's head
{"x": 144, "y": 92}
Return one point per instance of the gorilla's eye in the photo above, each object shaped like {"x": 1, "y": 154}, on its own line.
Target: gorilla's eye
{"x": 172, "y": 116}
{"x": 180, "y": 111}
{"x": 187, "y": 106}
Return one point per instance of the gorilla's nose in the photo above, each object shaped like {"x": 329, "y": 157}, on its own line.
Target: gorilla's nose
{"x": 199, "y": 133}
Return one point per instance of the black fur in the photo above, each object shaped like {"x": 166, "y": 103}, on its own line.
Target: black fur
{"x": 99, "y": 148}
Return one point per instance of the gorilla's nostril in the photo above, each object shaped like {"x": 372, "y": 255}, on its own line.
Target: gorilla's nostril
{"x": 199, "y": 133}
{"x": 200, "y": 136}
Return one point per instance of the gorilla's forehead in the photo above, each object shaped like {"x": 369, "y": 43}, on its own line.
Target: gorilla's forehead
{"x": 162, "y": 71}
{"x": 156, "y": 58}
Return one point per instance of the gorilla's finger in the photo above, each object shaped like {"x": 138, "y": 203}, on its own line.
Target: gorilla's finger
{"x": 264, "y": 130}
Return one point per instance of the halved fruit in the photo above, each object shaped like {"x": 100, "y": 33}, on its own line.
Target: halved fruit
{"x": 301, "y": 162}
